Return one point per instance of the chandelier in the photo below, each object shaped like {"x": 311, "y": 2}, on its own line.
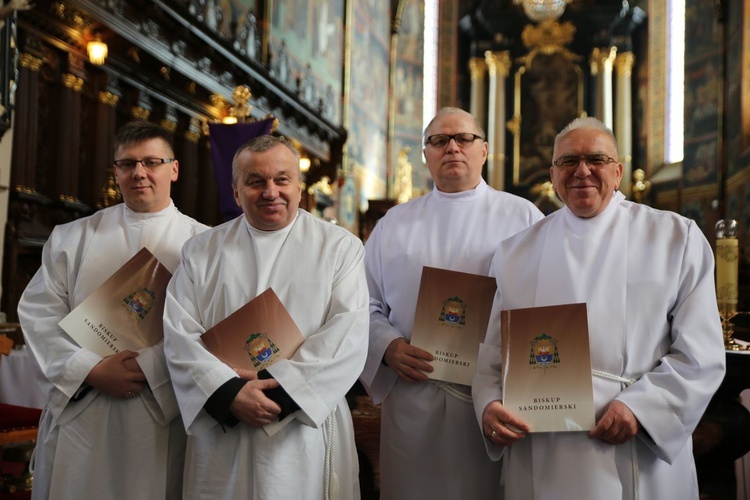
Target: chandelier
{"x": 543, "y": 10}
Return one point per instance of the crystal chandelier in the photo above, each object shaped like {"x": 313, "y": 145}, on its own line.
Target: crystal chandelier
{"x": 543, "y": 10}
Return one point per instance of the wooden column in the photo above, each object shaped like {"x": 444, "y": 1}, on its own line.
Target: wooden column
{"x": 188, "y": 181}
{"x": 69, "y": 134}
{"x": 26, "y": 127}
{"x": 101, "y": 174}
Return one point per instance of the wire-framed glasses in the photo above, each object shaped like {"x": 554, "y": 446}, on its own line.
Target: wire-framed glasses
{"x": 128, "y": 164}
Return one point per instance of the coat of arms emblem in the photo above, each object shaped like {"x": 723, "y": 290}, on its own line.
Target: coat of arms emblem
{"x": 140, "y": 302}
{"x": 261, "y": 349}
{"x": 453, "y": 313}
{"x": 544, "y": 352}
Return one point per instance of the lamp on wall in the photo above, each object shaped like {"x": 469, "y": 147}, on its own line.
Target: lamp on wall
{"x": 304, "y": 164}
{"x": 97, "y": 51}
{"x": 543, "y": 10}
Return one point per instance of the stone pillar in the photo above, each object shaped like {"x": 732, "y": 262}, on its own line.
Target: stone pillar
{"x": 478, "y": 69}
{"x": 499, "y": 65}
{"x": 601, "y": 70}
{"x": 624, "y": 117}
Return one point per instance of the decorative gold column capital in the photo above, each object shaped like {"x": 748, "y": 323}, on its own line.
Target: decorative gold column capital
{"x": 140, "y": 113}
{"x": 602, "y": 59}
{"x": 477, "y": 67}
{"x": 29, "y": 62}
{"x": 624, "y": 64}
{"x": 108, "y": 98}
{"x": 169, "y": 125}
{"x": 72, "y": 81}
{"x": 498, "y": 63}
{"x": 193, "y": 133}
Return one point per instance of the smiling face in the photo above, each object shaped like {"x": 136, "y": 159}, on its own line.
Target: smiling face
{"x": 268, "y": 187}
{"x": 455, "y": 168}
{"x": 146, "y": 189}
{"x": 586, "y": 190}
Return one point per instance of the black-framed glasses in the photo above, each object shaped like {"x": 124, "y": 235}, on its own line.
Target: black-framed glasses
{"x": 128, "y": 164}
{"x": 572, "y": 161}
{"x": 463, "y": 139}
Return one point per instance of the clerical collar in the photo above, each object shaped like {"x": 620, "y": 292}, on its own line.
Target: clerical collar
{"x": 467, "y": 195}
{"x": 276, "y": 232}
{"x": 147, "y": 215}
{"x": 614, "y": 202}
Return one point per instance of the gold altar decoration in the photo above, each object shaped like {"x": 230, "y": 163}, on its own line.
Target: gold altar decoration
{"x": 727, "y": 278}
{"x": 641, "y": 187}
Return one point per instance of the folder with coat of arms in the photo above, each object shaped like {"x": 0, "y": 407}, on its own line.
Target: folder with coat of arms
{"x": 254, "y": 337}
{"x": 453, "y": 310}
{"x": 547, "y": 367}
{"x": 125, "y": 312}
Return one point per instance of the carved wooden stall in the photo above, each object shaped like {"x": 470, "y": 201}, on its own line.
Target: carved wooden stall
{"x": 172, "y": 62}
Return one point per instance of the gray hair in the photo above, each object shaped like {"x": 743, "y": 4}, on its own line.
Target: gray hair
{"x": 448, "y": 110}
{"x": 585, "y": 122}
{"x": 258, "y": 145}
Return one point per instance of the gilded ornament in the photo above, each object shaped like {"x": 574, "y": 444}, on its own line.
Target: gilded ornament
{"x": 140, "y": 113}
{"x": 499, "y": 63}
{"x": 549, "y": 37}
{"x": 72, "y": 82}
{"x": 30, "y": 62}
{"x": 108, "y": 98}
{"x": 477, "y": 67}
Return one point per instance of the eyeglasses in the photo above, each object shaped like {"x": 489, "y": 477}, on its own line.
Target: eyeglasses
{"x": 146, "y": 162}
{"x": 572, "y": 161}
{"x": 463, "y": 139}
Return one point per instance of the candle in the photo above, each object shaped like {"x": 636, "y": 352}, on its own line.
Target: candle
{"x": 727, "y": 257}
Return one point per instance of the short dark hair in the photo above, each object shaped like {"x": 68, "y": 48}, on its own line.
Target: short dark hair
{"x": 139, "y": 131}
{"x": 258, "y": 145}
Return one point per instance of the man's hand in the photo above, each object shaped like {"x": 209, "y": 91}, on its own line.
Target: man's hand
{"x": 246, "y": 374}
{"x": 500, "y": 425}
{"x": 408, "y": 361}
{"x": 252, "y": 407}
{"x": 118, "y": 375}
{"x": 618, "y": 424}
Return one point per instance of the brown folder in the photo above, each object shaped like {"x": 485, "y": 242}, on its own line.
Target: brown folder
{"x": 124, "y": 312}
{"x": 453, "y": 309}
{"x": 546, "y": 363}
{"x": 256, "y": 335}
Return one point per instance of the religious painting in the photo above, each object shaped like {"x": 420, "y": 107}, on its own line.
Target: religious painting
{"x": 311, "y": 33}
{"x": 366, "y": 160}
{"x": 700, "y": 164}
{"x": 368, "y": 94}
{"x": 407, "y": 92}
{"x": 548, "y": 96}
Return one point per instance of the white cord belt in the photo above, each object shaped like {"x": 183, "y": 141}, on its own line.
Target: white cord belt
{"x": 452, "y": 391}
{"x": 331, "y": 482}
{"x": 633, "y": 447}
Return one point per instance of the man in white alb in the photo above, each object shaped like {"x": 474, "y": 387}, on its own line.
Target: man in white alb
{"x": 317, "y": 271}
{"x": 647, "y": 278}
{"x": 429, "y": 444}
{"x": 110, "y": 427}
